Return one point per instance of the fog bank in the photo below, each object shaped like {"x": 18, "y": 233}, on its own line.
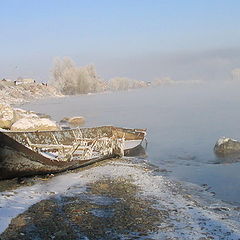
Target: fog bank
{"x": 208, "y": 65}
{"x": 204, "y": 65}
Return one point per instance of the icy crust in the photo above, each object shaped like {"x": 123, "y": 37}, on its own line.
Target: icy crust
{"x": 191, "y": 216}
{"x": 224, "y": 140}
{"x": 226, "y": 146}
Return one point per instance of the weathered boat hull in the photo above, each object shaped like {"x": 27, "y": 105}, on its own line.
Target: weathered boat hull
{"x": 13, "y": 164}
{"x": 18, "y": 159}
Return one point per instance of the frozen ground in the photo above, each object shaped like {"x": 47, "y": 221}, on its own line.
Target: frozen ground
{"x": 11, "y": 94}
{"x": 193, "y": 213}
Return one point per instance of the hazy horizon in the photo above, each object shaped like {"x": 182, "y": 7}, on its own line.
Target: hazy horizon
{"x": 184, "y": 40}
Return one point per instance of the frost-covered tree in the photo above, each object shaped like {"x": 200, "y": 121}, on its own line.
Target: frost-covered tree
{"x": 122, "y": 83}
{"x": 88, "y": 80}
{"x": 64, "y": 75}
{"x": 70, "y": 79}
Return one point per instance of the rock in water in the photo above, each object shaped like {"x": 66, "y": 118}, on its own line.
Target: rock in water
{"x": 7, "y": 116}
{"x": 227, "y": 146}
{"x": 74, "y": 121}
{"x": 35, "y": 124}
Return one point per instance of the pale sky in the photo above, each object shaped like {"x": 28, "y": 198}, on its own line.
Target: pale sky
{"x": 142, "y": 39}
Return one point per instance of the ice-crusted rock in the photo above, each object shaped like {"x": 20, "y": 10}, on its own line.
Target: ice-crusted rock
{"x": 7, "y": 116}
{"x": 227, "y": 146}
{"x": 74, "y": 121}
{"x": 20, "y": 113}
{"x": 35, "y": 124}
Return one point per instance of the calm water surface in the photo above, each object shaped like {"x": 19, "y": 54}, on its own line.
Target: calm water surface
{"x": 183, "y": 125}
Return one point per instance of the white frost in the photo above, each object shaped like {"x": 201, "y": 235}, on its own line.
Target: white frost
{"x": 190, "y": 217}
{"x": 223, "y": 140}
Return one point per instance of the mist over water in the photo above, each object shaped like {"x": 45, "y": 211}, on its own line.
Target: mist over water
{"x": 183, "y": 122}
{"x": 204, "y": 65}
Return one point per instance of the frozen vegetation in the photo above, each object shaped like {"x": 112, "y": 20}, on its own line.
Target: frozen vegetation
{"x": 121, "y": 83}
{"x": 169, "y": 81}
{"x": 71, "y": 79}
{"x": 68, "y": 79}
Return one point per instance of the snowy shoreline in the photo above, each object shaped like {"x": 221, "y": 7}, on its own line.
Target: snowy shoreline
{"x": 189, "y": 216}
{"x": 18, "y": 94}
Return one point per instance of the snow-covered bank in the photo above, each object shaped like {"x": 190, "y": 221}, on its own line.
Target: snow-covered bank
{"x": 192, "y": 212}
{"x": 18, "y": 94}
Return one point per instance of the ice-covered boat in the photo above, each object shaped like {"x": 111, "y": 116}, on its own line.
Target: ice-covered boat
{"x": 42, "y": 152}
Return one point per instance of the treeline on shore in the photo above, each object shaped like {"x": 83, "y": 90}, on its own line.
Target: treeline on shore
{"x": 70, "y": 79}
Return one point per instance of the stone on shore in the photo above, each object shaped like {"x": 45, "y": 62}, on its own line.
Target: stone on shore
{"x": 227, "y": 146}
{"x": 35, "y": 124}
{"x": 7, "y": 116}
{"x": 20, "y": 113}
{"x": 74, "y": 121}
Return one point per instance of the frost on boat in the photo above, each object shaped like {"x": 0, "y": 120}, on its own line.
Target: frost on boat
{"x": 31, "y": 153}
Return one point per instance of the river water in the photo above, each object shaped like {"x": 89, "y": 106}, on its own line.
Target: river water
{"x": 183, "y": 123}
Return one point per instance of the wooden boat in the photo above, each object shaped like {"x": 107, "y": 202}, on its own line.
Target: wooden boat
{"x": 43, "y": 152}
